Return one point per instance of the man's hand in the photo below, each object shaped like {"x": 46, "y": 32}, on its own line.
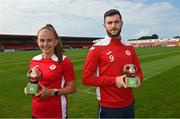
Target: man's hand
{"x": 120, "y": 81}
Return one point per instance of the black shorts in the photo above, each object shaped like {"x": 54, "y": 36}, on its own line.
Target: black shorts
{"x": 125, "y": 112}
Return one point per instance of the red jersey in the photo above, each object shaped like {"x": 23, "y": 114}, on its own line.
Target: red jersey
{"x": 54, "y": 75}
{"x": 104, "y": 62}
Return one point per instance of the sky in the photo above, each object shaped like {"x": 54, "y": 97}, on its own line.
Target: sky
{"x": 84, "y": 18}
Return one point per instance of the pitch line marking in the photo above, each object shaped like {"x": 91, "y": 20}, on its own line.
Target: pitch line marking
{"x": 87, "y": 92}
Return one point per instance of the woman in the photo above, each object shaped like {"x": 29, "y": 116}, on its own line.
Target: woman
{"x": 57, "y": 79}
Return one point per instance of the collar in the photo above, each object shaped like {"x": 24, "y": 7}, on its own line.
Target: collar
{"x": 40, "y": 57}
{"x": 116, "y": 41}
{"x": 106, "y": 41}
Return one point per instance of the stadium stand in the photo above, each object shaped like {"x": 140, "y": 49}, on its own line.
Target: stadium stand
{"x": 9, "y": 42}
{"x": 154, "y": 41}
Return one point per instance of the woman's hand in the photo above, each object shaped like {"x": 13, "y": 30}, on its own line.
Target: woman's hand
{"x": 45, "y": 92}
{"x": 139, "y": 81}
{"x": 25, "y": 91}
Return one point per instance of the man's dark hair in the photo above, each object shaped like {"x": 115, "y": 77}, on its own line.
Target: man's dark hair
{"x": 112, "y": 12}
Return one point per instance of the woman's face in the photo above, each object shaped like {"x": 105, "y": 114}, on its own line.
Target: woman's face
{"x": 47, "y": 41}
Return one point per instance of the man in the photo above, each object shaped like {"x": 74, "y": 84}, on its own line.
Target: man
{"x": 103, "y": 69}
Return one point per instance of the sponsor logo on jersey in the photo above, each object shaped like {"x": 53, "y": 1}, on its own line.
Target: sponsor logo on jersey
{"x": 128, "y": 53}
{"x": 111, "y": 57}
{"x": 52, "y": 67}
{"x": 108, "y": 53}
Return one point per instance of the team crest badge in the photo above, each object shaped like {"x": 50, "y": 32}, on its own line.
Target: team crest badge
{"x": 128, "y": 53}
{"x": 52, "y": 67}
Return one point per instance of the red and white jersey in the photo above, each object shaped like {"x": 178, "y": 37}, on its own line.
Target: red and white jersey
{"x": 104, "y": 62}
{"x": 54, "y": 75}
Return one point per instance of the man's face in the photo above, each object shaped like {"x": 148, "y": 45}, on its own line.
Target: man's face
{"x": 113, "y": 25}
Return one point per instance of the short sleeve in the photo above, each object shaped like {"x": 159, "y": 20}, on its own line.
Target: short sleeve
{"x": 68, "y": 70}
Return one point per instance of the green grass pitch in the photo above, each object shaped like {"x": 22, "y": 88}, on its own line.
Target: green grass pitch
{"x": 158, "y": 97}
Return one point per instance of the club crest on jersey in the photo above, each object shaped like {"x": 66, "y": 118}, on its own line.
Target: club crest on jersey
{"x": 128, "y": 53}
{"x": 52, "y": 67}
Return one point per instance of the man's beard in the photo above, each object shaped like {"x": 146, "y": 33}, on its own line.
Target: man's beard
{"x": 114, "y": 35}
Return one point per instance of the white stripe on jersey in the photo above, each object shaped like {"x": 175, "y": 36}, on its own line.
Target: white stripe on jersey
{"x": 53, "y": 57}
{"x": 103, "y": 42}
{"x": 37, "y": 57}
{"x": 64, "y": 57}
{"x": 98, "y": 88}
{"x": 63, "y": 101}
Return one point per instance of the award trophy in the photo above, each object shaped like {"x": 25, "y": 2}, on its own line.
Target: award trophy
{"x": 33, "y": 75}
{"x": 131, "y": 71}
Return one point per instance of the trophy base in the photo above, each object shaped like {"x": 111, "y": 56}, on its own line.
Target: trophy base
{"x": 32, "y": 88}
{"x": 131, "y": 82}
